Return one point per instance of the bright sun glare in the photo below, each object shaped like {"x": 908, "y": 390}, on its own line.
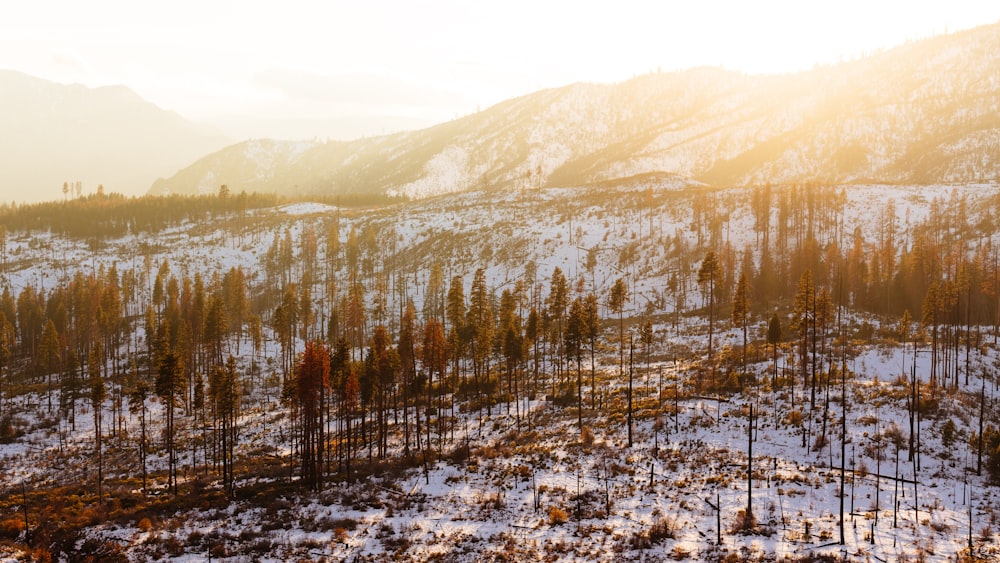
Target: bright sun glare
{"x": 445, "y": 58}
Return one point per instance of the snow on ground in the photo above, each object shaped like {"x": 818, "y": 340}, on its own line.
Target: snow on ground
{"x": 481, "y": 506}
{"x": 500, "y": 501}
{"x": 306, "y": 208}
{"x": 446, "y": 172}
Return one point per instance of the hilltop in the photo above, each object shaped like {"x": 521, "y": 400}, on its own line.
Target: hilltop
{"x": 923, "y": 113}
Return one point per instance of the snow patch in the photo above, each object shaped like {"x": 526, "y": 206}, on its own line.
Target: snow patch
{"x": 306, "y": 208}
{"x": 446, "y": 173}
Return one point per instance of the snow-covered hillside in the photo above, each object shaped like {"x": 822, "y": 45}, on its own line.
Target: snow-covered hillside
{"x": 517, "y": 478}
{"x": 925, "y": 112}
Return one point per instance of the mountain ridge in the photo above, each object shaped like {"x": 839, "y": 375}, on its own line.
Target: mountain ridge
{"x": 54, "y": 133}
{"x": 925, "y": 112}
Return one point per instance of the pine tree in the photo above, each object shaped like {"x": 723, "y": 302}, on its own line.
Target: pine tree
{"x": 306, "y": 314}
{"x": 803, "y": 317}
{"x": 216, "y": 327}
{"x": 511, "y": 344}
{"x": 138, "y": 393}
{"x": 224, "y": 390}
{"x": 381, "y": 365}
{"x": 741, "y": 314}
{"x": 351, "y": 403}
{"x": 333, "y": 245}
{"x": 773, "y": 338}
{"x": 617, "y": 299}
{"x": 237, "y": 301}
{"x": 480, "y": 322}
{"x": 574, "y": 338}
{"x": 593, "y": 320}
{"x": 905, "y": 322}
{"x": 357, "y": 315}
{"x": 97, "y": 394}
{"x": 284, "y": 322}
{"x": 408, "y": 370}
{"x": 69, "y": 386}
{"x": 929, "y": 315}
{"x": 312, "y": 377}
{"x": 709, "y": 276}
{"x": 170, "y": 388}
{"x": 434, "y": 300}
{"x": 532, "y": 330}
{"x": 457, "y": 332}
{"x": 434, "y": 355}
{"x": 7, "y": 343}
{"x": 557, "y": 302}
{"x": 646, "y": 337}
{"x": 49, "y": 356}
{"x": 199, "y": 406}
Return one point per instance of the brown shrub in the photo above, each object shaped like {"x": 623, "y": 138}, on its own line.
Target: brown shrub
{"x": 557, "y": 516}
{"x": 11, "y": 528}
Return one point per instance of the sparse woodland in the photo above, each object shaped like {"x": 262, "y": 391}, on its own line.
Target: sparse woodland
{"x": 647, "y": 371}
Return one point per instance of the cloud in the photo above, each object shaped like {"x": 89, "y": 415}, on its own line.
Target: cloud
{"x": 356, "y": 89}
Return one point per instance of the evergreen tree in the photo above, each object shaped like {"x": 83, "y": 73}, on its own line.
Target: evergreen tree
{"x": 617, "y": 299}
{"x": 803, "y": 318}
{"x": 97, "y": 395}
{"x": 480, "y": 322}
{"x": 170, "y": 384}
{"x": 408, "y": 370}
{"x": 49, "y": 356}
{"x": 741, "y": 313}
{"x": 929, "y": 315}
{"x": 216, "y": 327}
{"x": 434, "y": 355}
{"x": 457, "y": 333}
{"x": 312, "y": 377}
{"x": 593, "y": 320}
{"x": 7, "y": 343}
{"x": 284, "y": 322}
{"x": 224, "y": 387}
{"x": 351, "y": 401}
{"x": 138, "y": 393}
{"x": 773, "y": 338}
{"x": 557, "y": 302}
{"x": 709, "y": 276}
{"x": 574, "y": 338}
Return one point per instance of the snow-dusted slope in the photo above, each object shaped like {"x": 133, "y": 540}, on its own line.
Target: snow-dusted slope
{"x": 531, "y": 487}
{"x": 257, "y": 163}
{"x": 925, "y": 112}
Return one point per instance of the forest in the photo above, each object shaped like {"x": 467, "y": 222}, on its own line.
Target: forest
{"x": 181, "y": 355}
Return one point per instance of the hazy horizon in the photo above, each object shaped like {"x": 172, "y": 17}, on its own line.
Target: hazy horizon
{"x": 435, "y": 61}
{"x": 343, "y": 71}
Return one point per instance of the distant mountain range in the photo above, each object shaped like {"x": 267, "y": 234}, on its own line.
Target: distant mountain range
{"x": 53, "y": 133}
{"x": 924, "y": 112}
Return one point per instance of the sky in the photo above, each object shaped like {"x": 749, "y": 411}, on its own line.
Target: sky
{"x": 432, "y": 60}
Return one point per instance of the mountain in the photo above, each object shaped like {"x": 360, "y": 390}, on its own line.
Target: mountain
{"x": 53, "y": 133}
{"x": 924, "y": 112}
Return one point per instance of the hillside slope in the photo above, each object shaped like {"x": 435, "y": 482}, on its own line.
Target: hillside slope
{"x": 925, "y": 112}
{"x": 553, "y": 469}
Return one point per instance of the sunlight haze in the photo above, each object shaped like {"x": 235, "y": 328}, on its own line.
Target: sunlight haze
{"x": 431, "y": 61}
{"x": 446, "y": 280}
